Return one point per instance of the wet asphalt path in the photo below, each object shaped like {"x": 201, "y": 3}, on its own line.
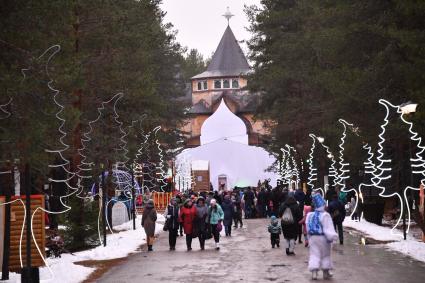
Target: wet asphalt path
{"x": 248, "y": 257}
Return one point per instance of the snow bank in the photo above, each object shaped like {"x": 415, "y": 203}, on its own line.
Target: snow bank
{"x": 119, "y": 245}
{"x": 374, "y": 231}
{"x": 410, "y": 247}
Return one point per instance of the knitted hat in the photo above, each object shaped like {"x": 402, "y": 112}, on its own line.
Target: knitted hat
{"x": 213, "y": 201}
{"x": 318, "y": 201}
{"x": 273, "y": 218}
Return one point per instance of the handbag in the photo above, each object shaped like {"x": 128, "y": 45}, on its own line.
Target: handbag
{"x": 166, "y": 225}
{"x": 219, "y": 227}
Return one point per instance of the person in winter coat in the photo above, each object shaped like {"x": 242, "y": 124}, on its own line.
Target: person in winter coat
{"x": 300, "y": 198}
{"x": 274, "y": 229}
{"x": 330, "y": 193}
{"x": 217, "y": 197}
{"x": 237, "y": 207}
{"x": 179, "y": 200}
{"x": 228, "y": 210}
{"x": 171, "y": 215}
{"x": 262, "y": 203}
{"x": 269, "y": 203}
{"x": 307, "y": 210}
{"x": 186, "y": 217}
{"x": 249, "y": 203}
{"x": 199, "y": 224}
{"x": 321, "y": 234}
{"x": 215, "y": 218}
{"x": 290, "y": 214}
{"x": 337, "y": 211}
{"x": 148, "y": 223}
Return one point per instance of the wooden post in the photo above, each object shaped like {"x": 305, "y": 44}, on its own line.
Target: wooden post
{"x": 29, "y": 274}
{"x": 104, "y": 208}
{"x": 133, "y": 198}
{"x": 6, "y": 240}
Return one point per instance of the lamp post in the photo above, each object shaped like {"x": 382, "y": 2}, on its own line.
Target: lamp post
{"x": 407, "y": 109}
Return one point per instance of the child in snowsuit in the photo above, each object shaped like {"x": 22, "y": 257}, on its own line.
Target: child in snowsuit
{"x": 274, "y": 229}
{"x": 321, "y": 234}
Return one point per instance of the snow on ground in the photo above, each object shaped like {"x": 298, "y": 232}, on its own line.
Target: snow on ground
{"x": 410, "y": 247}
{"x": 119, "y": 245}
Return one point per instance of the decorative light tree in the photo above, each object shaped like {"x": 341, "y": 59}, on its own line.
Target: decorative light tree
{"x": 384, "y": 169}
{"x": 312, "y": 173}
{"x": 367, "y": 184}
{"x": 343, "y": 175}
{"x": 333, "y": 172}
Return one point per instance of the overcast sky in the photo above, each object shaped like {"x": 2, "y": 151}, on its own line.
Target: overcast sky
{"x": 200, "y": 23}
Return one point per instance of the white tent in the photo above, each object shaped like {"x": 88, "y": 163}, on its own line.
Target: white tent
{"x": 242, "y": 164}
{"x": 224, "y": 143}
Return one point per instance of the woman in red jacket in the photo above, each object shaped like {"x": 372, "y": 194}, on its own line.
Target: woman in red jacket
{"x": 187, "y": 216}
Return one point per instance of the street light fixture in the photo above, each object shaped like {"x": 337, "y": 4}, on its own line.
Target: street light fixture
{"x": 408, "y": 107}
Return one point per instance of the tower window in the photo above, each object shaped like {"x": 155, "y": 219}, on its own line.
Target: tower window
{"x": 226, "y": 84}
{"x": 202, "y": 85}
{"x": 217, "y": 84}
{"x": 235, "y": 84}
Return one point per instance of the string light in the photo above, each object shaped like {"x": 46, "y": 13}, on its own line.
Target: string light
{"x": 384, "y": 165}
{"x": 333, "y": 172}
{"x": 161, "y": 172}
{"x": 342, "y": 177}
{"x": 312, "y": 172}
{"x": 370, "y": 169}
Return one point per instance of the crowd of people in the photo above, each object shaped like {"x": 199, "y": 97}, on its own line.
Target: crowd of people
{"x": 306, "y": 217}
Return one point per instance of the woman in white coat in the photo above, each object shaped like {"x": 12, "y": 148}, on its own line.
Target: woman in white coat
{"x": 321, "y": 234}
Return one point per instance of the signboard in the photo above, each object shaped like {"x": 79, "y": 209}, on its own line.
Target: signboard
{"x": 119, "y": 214}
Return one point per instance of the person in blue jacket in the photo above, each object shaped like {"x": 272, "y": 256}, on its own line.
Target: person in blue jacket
{"x": 215, "y": 218}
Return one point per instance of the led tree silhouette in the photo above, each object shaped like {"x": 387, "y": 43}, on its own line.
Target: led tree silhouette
{"x": 343, "y": 175}
{"x": 385, "y": 172}
{"x": 289, "y": 169}
{"x": 333, "y": 172}
{"x": 369, "y": 172}
{"x": 312, "y": 172}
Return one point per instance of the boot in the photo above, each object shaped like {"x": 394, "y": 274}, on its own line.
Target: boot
{"x": 314, "y": 274}
{"x": 278, "y": 244}
{"x": 326, "y": 274}
{"x": 150, "y": 248}
{"x": 217, "y": 246}
{"x": 287, "y": 251}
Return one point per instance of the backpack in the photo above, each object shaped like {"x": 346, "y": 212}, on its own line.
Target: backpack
{"x": 287, "y": 218}
{"x": 314, "y": 225}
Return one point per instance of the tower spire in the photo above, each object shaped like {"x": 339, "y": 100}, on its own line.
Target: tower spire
{"x": 228, "y": 15}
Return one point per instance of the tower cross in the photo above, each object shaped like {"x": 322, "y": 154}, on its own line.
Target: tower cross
{"x": 228, "y": 15}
